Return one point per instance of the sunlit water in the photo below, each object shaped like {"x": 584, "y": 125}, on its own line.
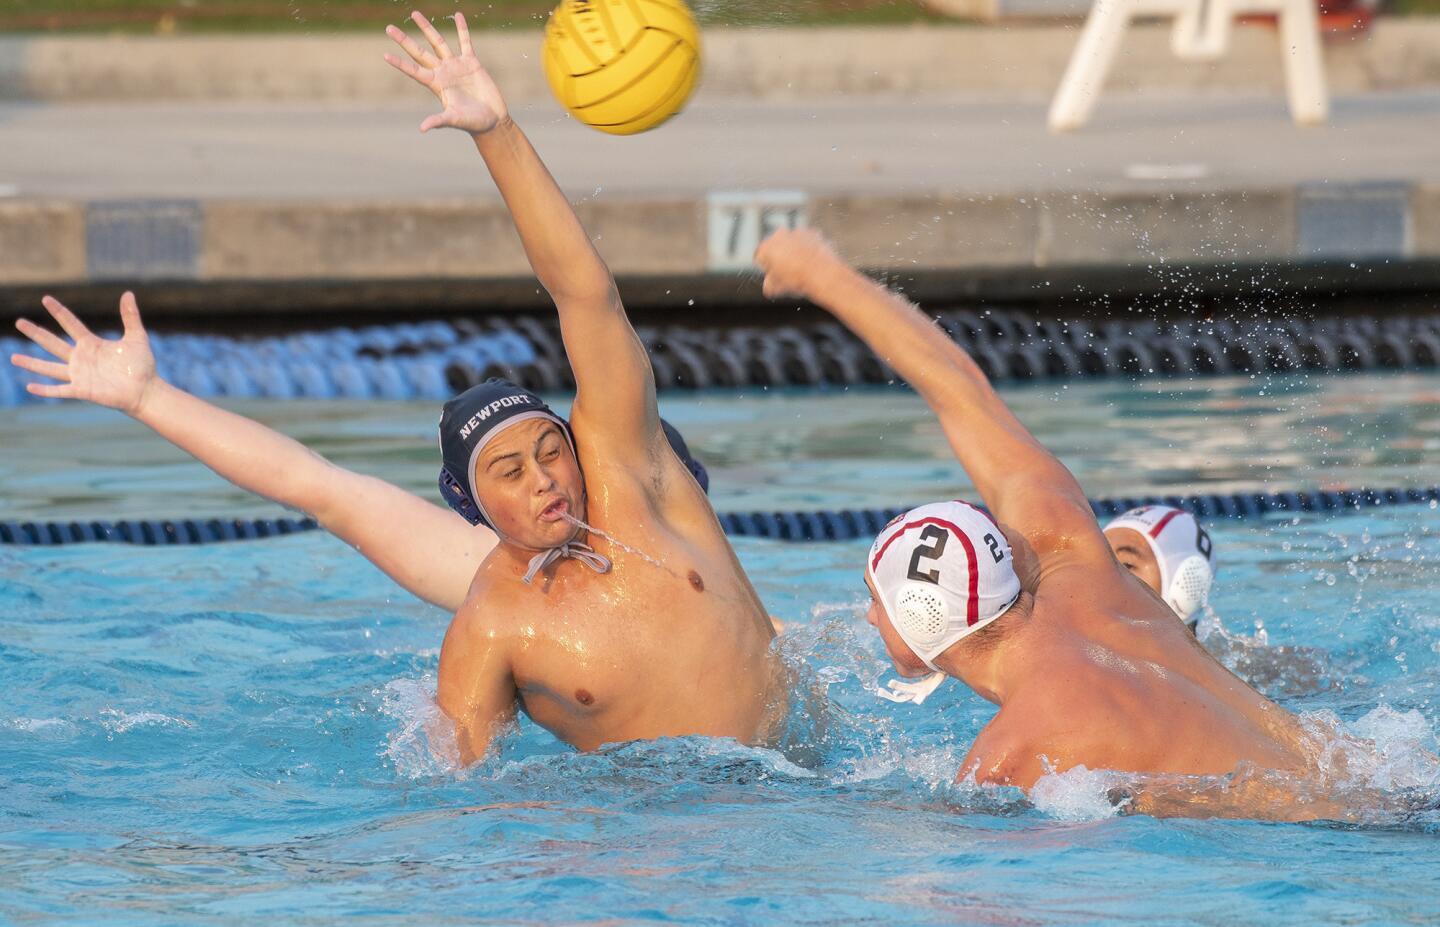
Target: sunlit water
{"x": 216, "y": 734}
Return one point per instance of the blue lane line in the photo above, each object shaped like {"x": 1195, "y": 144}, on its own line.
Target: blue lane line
{"x": 820, "y": 525}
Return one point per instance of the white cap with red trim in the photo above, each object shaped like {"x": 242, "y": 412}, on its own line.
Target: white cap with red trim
{"x": 1183, "y": 553}
{"x": 942, "y": 571}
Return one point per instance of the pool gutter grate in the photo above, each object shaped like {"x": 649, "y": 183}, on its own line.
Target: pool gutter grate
{"x": 433, "y": 360}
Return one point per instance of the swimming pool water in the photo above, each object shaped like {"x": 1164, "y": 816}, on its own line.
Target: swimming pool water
{"x": 223, "y": 733}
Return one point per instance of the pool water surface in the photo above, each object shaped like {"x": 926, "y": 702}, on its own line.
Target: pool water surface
{"x": 215, "y": 734}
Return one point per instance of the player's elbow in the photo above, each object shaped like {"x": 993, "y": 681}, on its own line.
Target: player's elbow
{"x": 998, "y": 768}
{"x": 469, "y": 750}
{"x": 585, "y": 292}
{"x": 984, "y": 770}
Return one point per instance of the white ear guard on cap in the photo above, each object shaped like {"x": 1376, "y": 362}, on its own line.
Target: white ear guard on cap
{"x": 1183, "y": 553}
{"x": 1190, "y": 587}
{"x": 941, "y": 572}
{"x": 922, "y": 616}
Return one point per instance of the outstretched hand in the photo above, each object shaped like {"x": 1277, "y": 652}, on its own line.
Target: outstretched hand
{"x": 792, "y": 260}
{"x": 469, "y": 96}
{"x": 116, "y": 374}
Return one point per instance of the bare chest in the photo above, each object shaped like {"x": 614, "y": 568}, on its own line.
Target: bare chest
{"x": 603, "y": 657}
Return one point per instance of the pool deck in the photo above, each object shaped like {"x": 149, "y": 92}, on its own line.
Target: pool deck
{"x": 335, "y": 190}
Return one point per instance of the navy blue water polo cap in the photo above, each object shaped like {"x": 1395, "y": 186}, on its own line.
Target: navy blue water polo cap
{"x": 469, "y": 420}
{"x": 678, "y": 445}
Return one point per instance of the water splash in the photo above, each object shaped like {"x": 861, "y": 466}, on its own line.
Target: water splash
{"x": 49, "y": 727}
{"x": 424, "y": 745}
{"x": 118, "y": 722}
{"x": 1077, "y": 794}
{"x": 1379, "y": 770}
{"x": 1277, "y": 671}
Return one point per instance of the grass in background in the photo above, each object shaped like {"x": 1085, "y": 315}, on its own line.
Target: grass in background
{"x": 319, "y": 16}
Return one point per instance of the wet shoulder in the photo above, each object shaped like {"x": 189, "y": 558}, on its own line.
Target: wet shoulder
{"x": 490, "y": 608}
{"x": 1071, "y": 586}
{"x": 1003, "y": 753}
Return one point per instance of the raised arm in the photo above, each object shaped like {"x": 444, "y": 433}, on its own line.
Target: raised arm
{"x": 615, "y": 389}
{"x": 1021, "y": 482}
{"x": 427, "y": 549}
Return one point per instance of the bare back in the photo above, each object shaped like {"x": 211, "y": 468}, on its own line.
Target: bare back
{"x": 1090, "y": 667}
{"x": 1109, "y": 679}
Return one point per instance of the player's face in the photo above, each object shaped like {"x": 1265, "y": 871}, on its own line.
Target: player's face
{"x": 1135, "y": 555}
{"x": 529, "y": 481}
{"x": 906, "y": 662}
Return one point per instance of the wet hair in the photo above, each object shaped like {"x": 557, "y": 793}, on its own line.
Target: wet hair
{"x": 989, "y": 638}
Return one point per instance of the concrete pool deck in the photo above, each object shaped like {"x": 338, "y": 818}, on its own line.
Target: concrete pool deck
{"x": 330, "y": 192}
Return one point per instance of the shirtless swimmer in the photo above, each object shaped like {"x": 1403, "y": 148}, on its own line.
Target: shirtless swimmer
{"x": 645, "y": 626}
{"x": 1031, "y": 610}
{"x": 655, "y": 633}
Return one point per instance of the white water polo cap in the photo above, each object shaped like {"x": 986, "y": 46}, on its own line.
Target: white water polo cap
{"x": 1183, "y": 552}
{"x": 942, "y": 572}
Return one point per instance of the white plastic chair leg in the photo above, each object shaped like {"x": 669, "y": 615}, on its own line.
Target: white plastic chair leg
{"x": 1090, "y": 64}
{"x": 1202, "y": 32}
{"x": 1304, "y": 63}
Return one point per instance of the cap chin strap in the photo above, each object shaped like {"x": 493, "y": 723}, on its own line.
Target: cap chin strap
{"x": 923, "y": 615}
{"x": 914, "y": 691}
{"x": 578, "y": 550}
{"x": 545, "y": 556}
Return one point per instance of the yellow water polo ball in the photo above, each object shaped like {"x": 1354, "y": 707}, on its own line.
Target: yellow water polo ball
{"x": 622, "y": 66}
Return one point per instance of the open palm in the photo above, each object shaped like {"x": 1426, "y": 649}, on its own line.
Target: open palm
{"x": 469, "y": 96}
{"x": 112, "y": 373}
